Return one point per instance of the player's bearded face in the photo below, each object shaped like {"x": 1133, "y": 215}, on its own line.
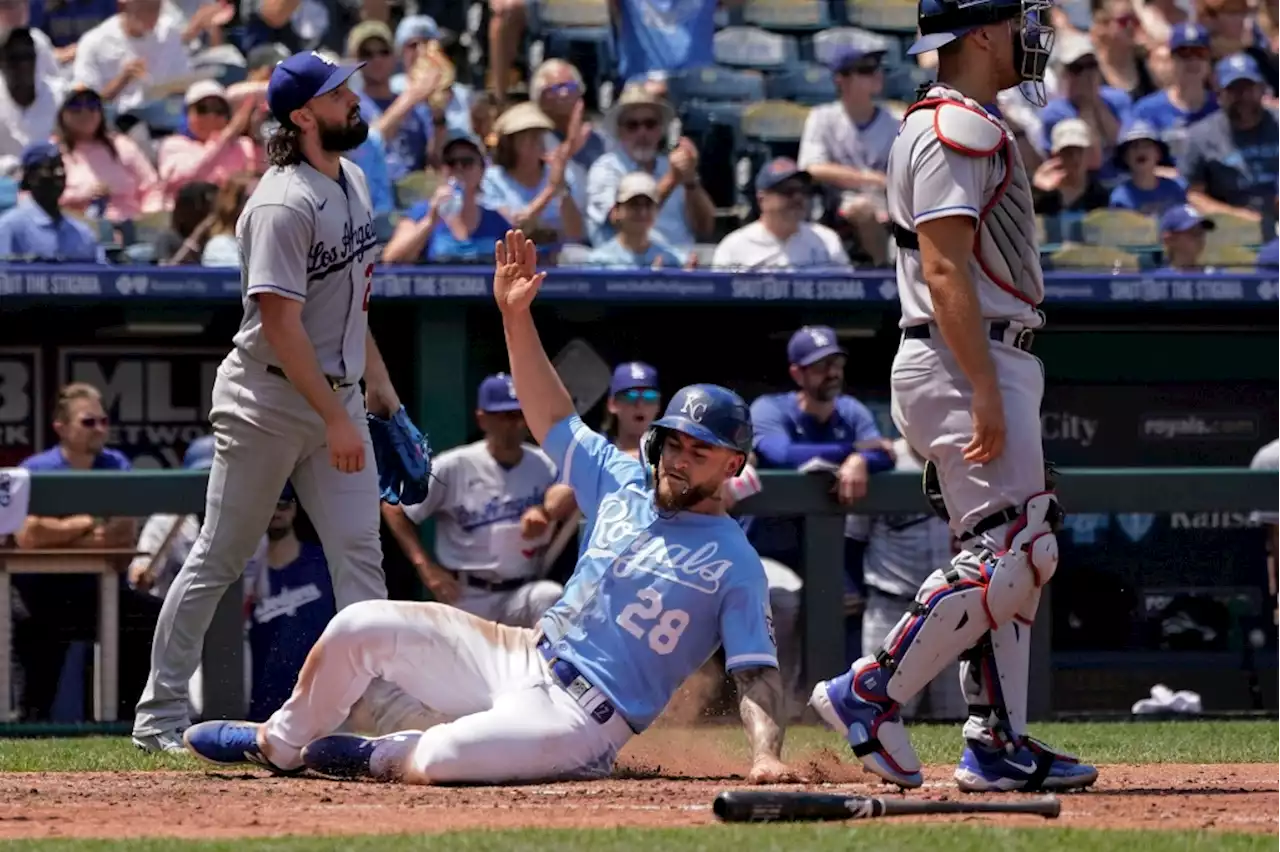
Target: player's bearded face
{"x": 343, "y": 136}
{"x": 689, "y": 474}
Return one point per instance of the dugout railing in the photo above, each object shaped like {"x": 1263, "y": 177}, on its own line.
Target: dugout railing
{"x": 1161, "y": 490}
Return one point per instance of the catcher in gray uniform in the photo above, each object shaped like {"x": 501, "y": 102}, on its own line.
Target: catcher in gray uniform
{"x": 286, "y": 402}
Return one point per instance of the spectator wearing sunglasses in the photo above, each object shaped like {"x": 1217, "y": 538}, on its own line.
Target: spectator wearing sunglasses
{"x": 638, "y": 123}
{"x": 403, "y": 121}
{"x": 1084, "y": 96}
{"x": 634, "y": 245}
{"x": 845, "y": 147}
{"x": 557, "y": 88}
{"x": 446, "y": 228}
{"x": 782, "y": 238}
{"x": 1120, "y": 59}
{"x": 54, "y": 603}
{"x": 214, "y": 147}
{"x": 529, "y": 185}
{"x": 103, "y": 166}
{"x": 1188, "y": 98}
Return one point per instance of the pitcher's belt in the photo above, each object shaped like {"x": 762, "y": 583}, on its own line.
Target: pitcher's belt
{"x": 999, "y": 330}
{"x": 581, "y": 690}
{"x": 335, "y": 383}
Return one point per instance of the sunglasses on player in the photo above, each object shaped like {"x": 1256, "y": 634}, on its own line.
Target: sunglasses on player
{"x": 638, "y": 395}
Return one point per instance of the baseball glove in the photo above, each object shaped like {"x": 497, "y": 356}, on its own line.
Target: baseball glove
{"x": 403, "y": 456}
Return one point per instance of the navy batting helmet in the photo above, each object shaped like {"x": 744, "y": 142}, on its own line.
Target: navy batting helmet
{"x": 707, "y": 413}
{"x": 943, "y": 21}
{"x": 199, "y": 455}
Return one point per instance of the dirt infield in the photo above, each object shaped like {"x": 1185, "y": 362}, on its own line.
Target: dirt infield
{"x": 666, "y": 783}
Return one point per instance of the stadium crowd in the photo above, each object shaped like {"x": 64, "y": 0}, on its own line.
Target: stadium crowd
{"x": 132, "y": 130}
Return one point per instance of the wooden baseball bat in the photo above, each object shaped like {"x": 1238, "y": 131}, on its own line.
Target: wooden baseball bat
{"x": 781, "y": 806}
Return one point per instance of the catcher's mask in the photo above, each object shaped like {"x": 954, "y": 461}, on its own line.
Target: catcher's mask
{"x": 943, "y": 21}
{"x": 707, "y": 413}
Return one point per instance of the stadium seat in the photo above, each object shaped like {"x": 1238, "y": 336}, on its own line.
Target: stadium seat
{"x": 557, "y": 14}
{"x": 149, "y": 227}
{"x": 162, "y": 116}
{"x": 802, "y": 84}
{"x": 828, "y": 43}
{"x": 774, "y": 121}
{"x": 1119, "y": 228}
{"x": 902, "y": 82}
{"x": 896, "y": 16}
{"x": 415, "y": 187}
{"x": 1097, "y": 258}
{"x": 1230, "y": 257}
{"x": 787, "y": 14}
{"x": 1230, "y": 230}
{"x": 752, "y": 47}
{"x": 714, "y": 84}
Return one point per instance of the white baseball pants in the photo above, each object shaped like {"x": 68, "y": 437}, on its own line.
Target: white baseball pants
{"x": 513, "y": 721}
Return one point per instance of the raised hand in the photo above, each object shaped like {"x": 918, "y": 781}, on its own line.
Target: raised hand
{"x": 516, "y": 279}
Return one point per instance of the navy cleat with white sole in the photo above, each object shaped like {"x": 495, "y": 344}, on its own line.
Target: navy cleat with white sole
{"x": 856, "y": 706}
{"x": 1031, "y": 767}
{"x": 227, "y": 743}
{"x": 350, "y": 756}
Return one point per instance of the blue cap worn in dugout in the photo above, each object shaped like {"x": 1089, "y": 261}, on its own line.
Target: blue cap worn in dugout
{"x": 1183, "y": 217}
{"x": 302, "y": 77}
{"x": 497, "y": 394}
{"x": 811, "y": 344}
{"x": 633, "y": 375}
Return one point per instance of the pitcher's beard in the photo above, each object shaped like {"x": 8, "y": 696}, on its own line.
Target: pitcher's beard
{"x": 673, "y": 495}
{"x": 339, "y": 140}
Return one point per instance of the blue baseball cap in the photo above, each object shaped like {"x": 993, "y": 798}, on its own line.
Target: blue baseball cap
{"x": 461, "y": 135}
{"x": 633, "y": 375}
{"x": 1183, "y": 217}
{"x": 416, "y": 28}
{"x": 1269, "y": 256}
{"x": 38, "y": 153}
{"x": 1237, "y": 67}
{"x": 302, "y": 77}
{"x": 1135, "y": 131}
{"x": 852, "y": 56}
{"x": 1188, "y": 35}
{"x": 777, "y": 171}
{"x": 497, "y": 394}
{"x": 811, "y": 344}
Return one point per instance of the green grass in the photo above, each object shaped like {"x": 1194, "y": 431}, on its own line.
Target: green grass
{"x": 758, "y": 838}
{"x": 1097, "y": 742}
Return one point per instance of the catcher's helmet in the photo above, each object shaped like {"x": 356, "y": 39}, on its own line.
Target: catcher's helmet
{"x": 199, "y": 455}
{"x": 707, "y": 413}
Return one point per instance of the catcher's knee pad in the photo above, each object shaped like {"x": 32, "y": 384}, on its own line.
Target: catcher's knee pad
{"x": 957, "y": 607}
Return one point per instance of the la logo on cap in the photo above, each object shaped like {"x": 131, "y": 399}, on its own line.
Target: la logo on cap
{"x": 326, "y": 60}
{"x": 819, "y": 339}
{"x": 637, "y": 372}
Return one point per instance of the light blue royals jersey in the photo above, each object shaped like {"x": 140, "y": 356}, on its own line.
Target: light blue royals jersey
{"x": 653, "y": 596}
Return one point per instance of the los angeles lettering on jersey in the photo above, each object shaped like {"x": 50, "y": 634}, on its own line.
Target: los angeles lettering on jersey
{"x": 643, "y": 552}
{"x": 497, "y": 510}
{"x": 323, "y": 260}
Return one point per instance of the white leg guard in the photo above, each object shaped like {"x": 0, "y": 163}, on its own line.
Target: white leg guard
{"x": 995, "y": 679}
{"x": 957, "y": 607}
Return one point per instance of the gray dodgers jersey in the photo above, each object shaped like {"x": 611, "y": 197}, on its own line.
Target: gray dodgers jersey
{"x": 477, "y": 504}
{"x": 902, "y": 550}
{"x": 302, "y": 237}
{"x": 927, "y": 180}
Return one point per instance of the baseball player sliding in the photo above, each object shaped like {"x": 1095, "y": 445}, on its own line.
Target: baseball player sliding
{"x": 286, "y": 401}
{"x": 966, "y": 396}
{"x": 667, "y": 578}
{"x": 496, "y": 501}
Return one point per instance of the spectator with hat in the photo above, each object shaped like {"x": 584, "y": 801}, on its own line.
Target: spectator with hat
{"x": 1083, "y": 96}
{"x": 638, "y": 122}
{"x": 299, "y": 25}
{"x": 28, "y": 101}
{"x": 215, "y": 145}
{"x": 1188, "y": 98}
{"x": 1230, "y": 164}
{"x": 453, "y": 226}
{"x": 782, "y": 238}
{"x": 1140, "y": 153}
{"x": 528, "y": 185}
{"x": 1182, "y": 232}
{"x": 416, "y": 36}
{"x": 132, "y": 50}
{"x": 496, "y": 504}
{"x": 403, "y": 121}
{"x": 634, "y": 244}
{"x": 845, "y": 147}
{"x": 1063, "y": 183}
{"x": 36, "y": 229}
{"x": 103, "y": 167}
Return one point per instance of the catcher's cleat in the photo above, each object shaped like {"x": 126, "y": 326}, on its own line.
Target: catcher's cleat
{"x": 1031, "y": 767}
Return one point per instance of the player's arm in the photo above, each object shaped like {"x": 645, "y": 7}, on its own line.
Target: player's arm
{"x": 762, "y": 708}
{"x": 559, "y": 502}
{"x": 773, "y": 442}
{"x": 39, "y": 533}
{"x": 380, "y": 395}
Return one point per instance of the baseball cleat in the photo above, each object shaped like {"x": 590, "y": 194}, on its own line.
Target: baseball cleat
{"x": 351, "y": 756}
{"x": 855, "y": 706}
{"x": 165, "y": 742}
{"x": 1031, "y": 767}
{"x": 230, "y": 744}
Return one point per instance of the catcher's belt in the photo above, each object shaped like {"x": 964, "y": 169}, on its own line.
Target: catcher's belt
{"x": 998, "y": 330}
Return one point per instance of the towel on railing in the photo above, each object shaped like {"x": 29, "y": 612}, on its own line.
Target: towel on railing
{"x": 15, "y": 497}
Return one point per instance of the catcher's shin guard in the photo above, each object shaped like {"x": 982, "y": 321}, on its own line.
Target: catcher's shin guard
{"x": 955, "y": 608}
{"x": 994, "y": 677}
